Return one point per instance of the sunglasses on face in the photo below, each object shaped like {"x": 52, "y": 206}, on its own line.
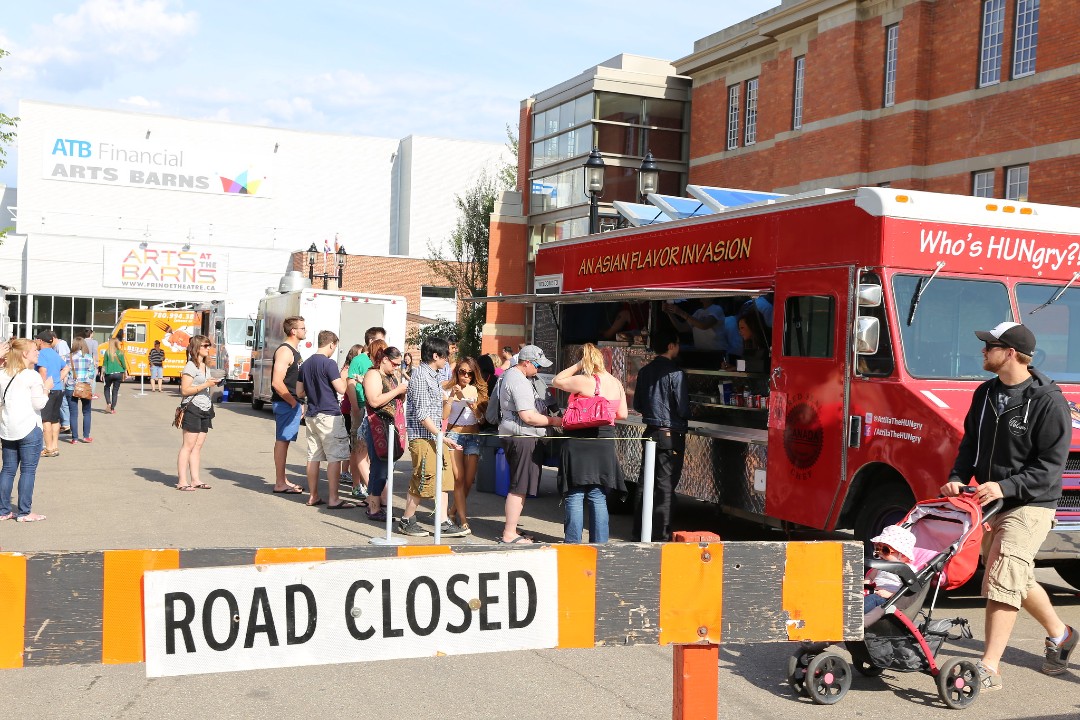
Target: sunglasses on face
{"x": 991, "y": 346}
{"x": 465, "y": 373}
{"x": 207, "y": 345}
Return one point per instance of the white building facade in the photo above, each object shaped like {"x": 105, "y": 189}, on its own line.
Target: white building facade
{"x": 116, "y": 210}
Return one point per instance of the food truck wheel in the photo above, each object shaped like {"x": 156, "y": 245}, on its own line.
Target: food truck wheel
{"x": 1069, "y": 570}
{"x": 880, "y": 507}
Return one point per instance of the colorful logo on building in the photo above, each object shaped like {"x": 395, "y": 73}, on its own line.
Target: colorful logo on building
{"x": 241, "y": 184}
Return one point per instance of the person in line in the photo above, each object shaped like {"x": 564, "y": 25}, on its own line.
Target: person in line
{"x": 446, "y": 373}
{"x": 284, "y": 371}
{"x": 590, "y": 469}
{"x": 24, "y": 394}
{"x": 406, "y": 366}
{"x": 894, "y": 544}
{"x": 662, "y": 396}
{"x": 383, "y": 393}
{"x": 61, "y": 346}
{"x": 465, "y": 399}
{"x": 82, "y": 371}
{"x": 359, "y": 366}
{"x": 507, "y": 355}
{"x": 114, "y": 370}
{"x": 92, "y": 348}
{"x": 320, "y": 382}
{"x": 523, "y": 422}
{"x": 706, "y": 324}
{"x": 195, "y": 384}
{"x": 423, "y": 417}
{"x": 489, "y": 370}
{"x": 1016, "y": 440}
{"x": 755, "y": 339}
{"x": 157, "y": 367}
{"x": 52, "y": 368}
{"x": 348, "y": 471}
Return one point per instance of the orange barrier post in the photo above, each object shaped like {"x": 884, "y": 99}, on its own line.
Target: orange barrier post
{"x": 695, "y": 668}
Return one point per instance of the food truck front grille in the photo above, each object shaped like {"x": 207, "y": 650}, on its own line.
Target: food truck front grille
{"x": 1070, "y": 501}
{"x": 1072, "y": 465}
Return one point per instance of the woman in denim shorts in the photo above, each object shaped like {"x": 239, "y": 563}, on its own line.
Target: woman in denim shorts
{"x": 465, "y": 398}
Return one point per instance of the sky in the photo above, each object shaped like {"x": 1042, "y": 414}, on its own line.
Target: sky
{"x": 389, "y": 69}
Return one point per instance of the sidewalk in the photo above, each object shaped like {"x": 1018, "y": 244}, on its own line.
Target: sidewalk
{"x": 119, "y": 491}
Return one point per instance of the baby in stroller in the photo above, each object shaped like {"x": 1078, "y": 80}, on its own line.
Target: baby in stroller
{"x": 894, "y": 544}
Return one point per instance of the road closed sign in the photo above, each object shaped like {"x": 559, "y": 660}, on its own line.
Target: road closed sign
{"x": 211, "y": 620}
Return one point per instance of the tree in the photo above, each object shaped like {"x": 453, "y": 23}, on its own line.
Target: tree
{"x": 7, "y": 136}
{"x": 465, "y": 267}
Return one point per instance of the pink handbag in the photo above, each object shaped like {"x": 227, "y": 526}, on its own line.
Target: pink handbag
{"x": 588, "y": 412}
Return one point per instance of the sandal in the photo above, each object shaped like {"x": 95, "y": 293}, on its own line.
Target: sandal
{"x": 379, "y": 516}
{"x": 185, "y": 488}
{"x": 523, "y": 539}
{"x": 200, "y": 486}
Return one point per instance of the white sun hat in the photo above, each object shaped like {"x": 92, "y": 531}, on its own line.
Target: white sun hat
{"x": 899, "y": 539}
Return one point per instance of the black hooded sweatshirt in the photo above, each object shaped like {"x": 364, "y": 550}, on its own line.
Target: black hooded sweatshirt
{"x": 1022, "y": 448}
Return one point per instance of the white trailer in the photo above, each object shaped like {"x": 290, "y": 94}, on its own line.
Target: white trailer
{"x": 349, "y": 314}
{"x": 231, "y": 326}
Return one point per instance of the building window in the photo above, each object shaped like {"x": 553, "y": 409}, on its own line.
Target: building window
{"x": 733, "y": 117}
{"x": 1016, "y": 183}
{"x": 800, "y": 78}
{"x": 982, "y": 184}
{"x": 1027, "y": 37}
{"x": 439, "y": 303}
{"x": 751, "y": 111}
{"x": 892, "y": 44}
{"x": 993, "y": 32}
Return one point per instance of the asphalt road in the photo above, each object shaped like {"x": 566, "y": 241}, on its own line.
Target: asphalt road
{"x": 118, "y": 493}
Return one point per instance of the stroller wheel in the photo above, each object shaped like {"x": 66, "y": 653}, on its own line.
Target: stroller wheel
{"x": 828, "y": 678}
{"x": 796, "y": 672}
{"x": 958, "y": 683}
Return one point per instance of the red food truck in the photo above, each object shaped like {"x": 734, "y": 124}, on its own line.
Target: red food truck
{"x": 870, "y": 299}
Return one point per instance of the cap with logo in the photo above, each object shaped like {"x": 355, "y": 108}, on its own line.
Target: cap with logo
{"x": 533, "y": 354}
{"x": 1010, "y": 334}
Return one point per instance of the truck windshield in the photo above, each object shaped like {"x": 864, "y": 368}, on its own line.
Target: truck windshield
{"x": 238, "y": 331}
{"x": 1056, "y": 328}
{"x": 941, "y": 341}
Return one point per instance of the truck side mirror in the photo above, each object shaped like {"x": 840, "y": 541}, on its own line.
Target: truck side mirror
{"x": 867, "y": 335}
{"x": 869, "y": 295}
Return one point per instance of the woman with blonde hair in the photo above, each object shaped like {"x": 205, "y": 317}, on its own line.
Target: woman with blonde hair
{"x": 465, "y": 398}
{"x": 195, "y": 385}
{"x": 589, "y": 469}
{"x": 114, "y": 369}
{"x": 23, "y": 394}
{"x": 82, "y": 371}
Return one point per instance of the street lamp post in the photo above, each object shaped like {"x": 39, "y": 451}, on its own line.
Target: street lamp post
{"x": 594, "y": 186}
{"x": 648, "y": 177}
{"x": 340, "y": 255}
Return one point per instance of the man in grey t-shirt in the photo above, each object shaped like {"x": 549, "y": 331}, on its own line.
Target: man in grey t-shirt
{"x": 523, "y": 417}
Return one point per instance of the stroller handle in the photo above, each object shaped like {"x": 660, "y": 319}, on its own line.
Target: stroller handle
{"x": 989, "y": 510}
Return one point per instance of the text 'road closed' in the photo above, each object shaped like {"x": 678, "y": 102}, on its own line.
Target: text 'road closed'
{"x": 243, "y": 618}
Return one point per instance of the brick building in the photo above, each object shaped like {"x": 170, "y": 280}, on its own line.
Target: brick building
{"x": 973, "y": 97}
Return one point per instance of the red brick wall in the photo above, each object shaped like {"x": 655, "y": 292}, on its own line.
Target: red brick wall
{"x": 507, "y": 272}
{"x": 938, "y": 58}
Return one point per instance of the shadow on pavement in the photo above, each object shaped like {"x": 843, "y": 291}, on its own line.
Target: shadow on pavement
{"x": 155, "y": 475}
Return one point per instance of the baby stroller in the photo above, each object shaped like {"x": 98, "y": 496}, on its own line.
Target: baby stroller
{"x": 902, "y": 634}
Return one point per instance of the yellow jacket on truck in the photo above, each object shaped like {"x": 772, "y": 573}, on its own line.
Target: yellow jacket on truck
{"x": 138, "y": 329}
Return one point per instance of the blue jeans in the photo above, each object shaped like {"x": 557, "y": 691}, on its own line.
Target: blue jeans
{"x": 65, "y": 414}
{"x": 598, "y": 514}
{"x": 26, "y": 453}
{"x": 73, "y": 410}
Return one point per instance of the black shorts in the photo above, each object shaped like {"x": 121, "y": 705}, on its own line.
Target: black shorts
{"x": 196, "y": 420}
{"x": 51, "y": 412}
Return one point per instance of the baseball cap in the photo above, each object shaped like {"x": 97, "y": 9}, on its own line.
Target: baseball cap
{"x": 46, "y": 336}
{"x": 533, "y": 354}
{"x": 1011, "y": 334}
{"x": 899, "y": 539}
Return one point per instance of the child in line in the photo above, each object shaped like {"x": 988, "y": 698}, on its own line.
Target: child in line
{"x": 894, "y": 544}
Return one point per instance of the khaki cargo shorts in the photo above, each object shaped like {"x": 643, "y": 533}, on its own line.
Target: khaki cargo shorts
{"x": 327, "y": 438}
{"x": 1009, "y": 550}
{"x": 424, "y": 459}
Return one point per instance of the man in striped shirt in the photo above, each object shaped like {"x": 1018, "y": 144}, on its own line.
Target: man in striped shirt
{"x": 423, "y": 418}
{"x": 157, "y": 367}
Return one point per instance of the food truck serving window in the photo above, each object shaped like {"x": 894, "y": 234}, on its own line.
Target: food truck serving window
{"x": 1056, "y": 327}
{"x": 808, "y": 326}
{"x": 135, "y": 333}
{"x": 940, "y": 340}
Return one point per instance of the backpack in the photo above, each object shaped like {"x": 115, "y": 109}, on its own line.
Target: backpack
{"x": 493, "y": 413}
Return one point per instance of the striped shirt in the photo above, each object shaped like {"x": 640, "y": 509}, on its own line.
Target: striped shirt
{"x": 423, "y": 400}
{"x": 82, "y": 369}
{"x": 157, "y": 357}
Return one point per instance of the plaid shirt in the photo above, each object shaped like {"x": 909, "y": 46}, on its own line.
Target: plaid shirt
{"x": 82, "y": 370}
{"x": 423, "y": 400}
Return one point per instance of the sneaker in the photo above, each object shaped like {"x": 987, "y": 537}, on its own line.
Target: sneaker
{"x": 989, "y": 679}
{"x": 410, "y": 527}
{"x": 346, "y": 477}
{"x": 449, "y": 529}
{"x": 359, "y": 491}
{"x": 1057, "y": 656}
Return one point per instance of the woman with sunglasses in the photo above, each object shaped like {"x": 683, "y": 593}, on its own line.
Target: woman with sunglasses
{"x": 195, "y": 384}
{"x": 465, "y": 398}
{"x": 381, "y": 392}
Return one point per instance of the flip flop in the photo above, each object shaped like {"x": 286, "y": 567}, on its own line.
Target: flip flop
{"x": 519, "y": 539}
{"x": 379, "y": 516}
{"x": 340, "y": 506}
{"x": 291, "y": 490}
{"x": 185, "y": 488}
{"x": 316, "y": 503}
{"x": 201, "y": 486}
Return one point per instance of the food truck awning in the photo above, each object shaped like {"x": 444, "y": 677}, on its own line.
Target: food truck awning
{"x": 626, "y": 294}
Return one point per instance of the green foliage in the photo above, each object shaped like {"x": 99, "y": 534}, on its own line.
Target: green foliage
{"x": 446, "y": 329}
